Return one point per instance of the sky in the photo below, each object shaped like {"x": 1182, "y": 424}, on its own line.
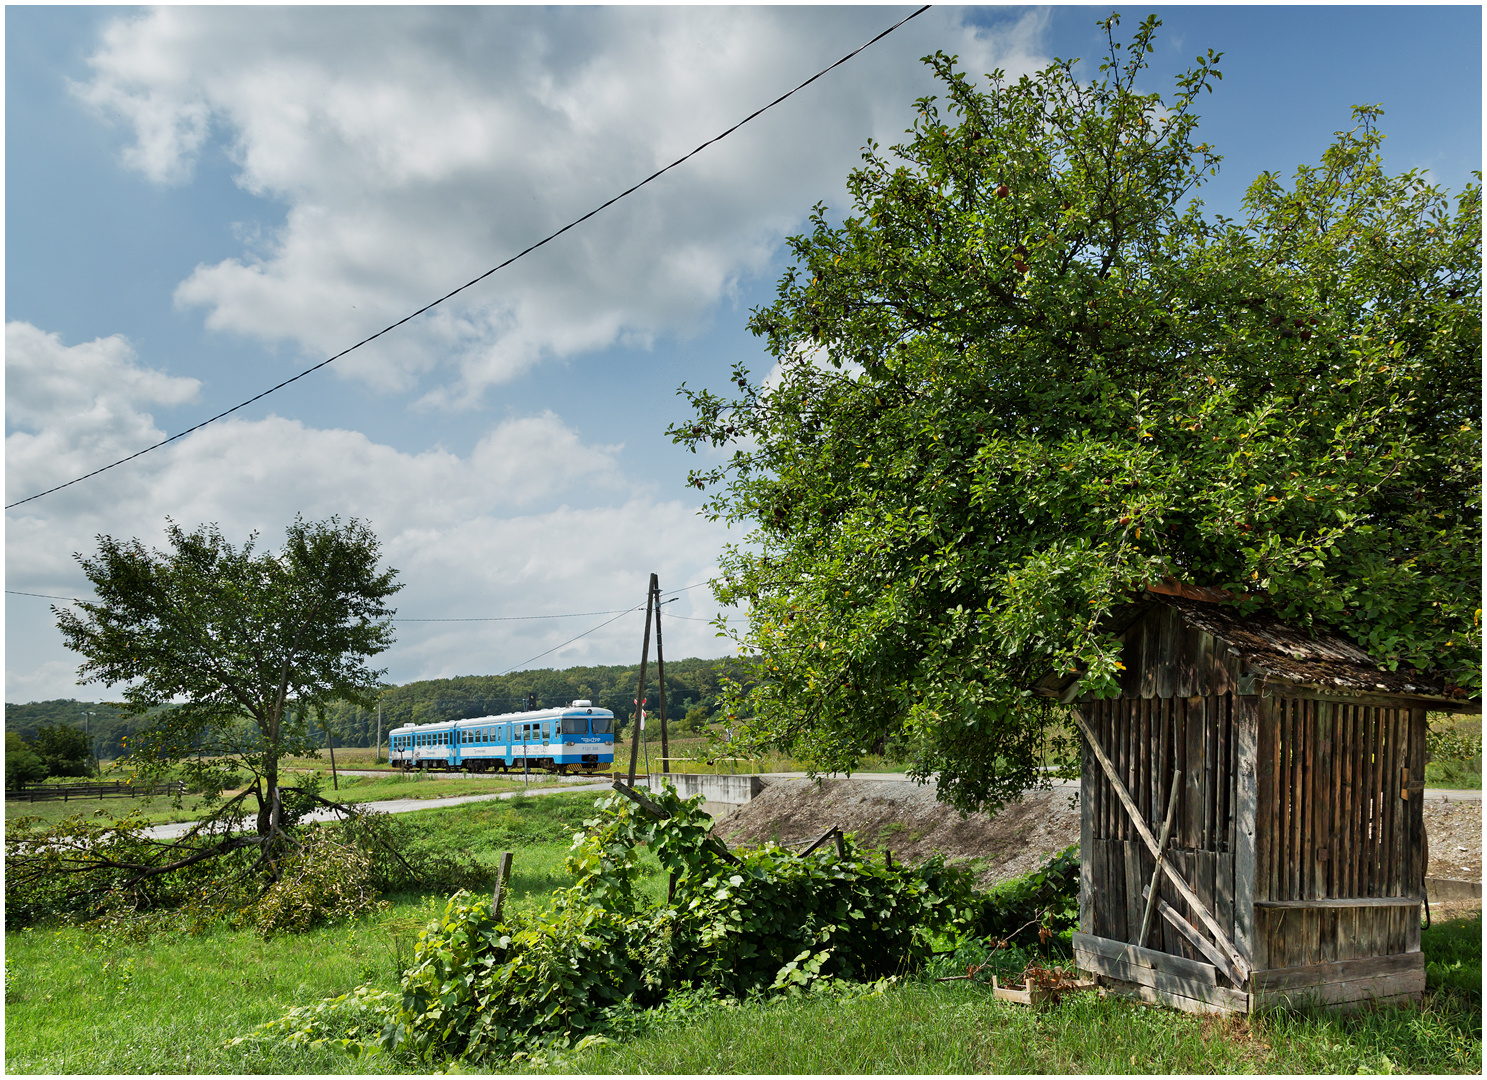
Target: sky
{"x": 201, "y": 202}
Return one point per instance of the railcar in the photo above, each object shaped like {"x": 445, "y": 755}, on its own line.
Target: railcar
{"x": 578, "y": 737}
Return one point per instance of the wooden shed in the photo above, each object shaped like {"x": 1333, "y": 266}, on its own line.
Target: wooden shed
{"x": 1291, "y": 767}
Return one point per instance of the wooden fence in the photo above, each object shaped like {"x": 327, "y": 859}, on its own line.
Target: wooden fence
{"x": 115, "y": 789}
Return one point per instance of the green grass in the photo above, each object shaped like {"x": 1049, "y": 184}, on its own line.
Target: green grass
{"x": 78, "y": 1002}
{"x": 956, "y": 1028}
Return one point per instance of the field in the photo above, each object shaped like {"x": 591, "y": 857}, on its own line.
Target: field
{"x": 353, "y": 789}
{"x": 80, "y": 1002}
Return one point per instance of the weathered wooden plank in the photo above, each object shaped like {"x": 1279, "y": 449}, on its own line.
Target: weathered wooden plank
{"x": 1212, "y": 780}
{"x": 1339, "y": 972}
{"x": 1398, "y": 806}
{"x": 1197, "y": 941}
{"x": 1247, "y": 835}
{"x": 1340, "y": 903}
{"x": 1241, "y": 964}
{"x": 1379, "y": 988}
{"x": 1342, "y": 847}
{"x": 1374, "y": 802}
{"x": 1170, "y": 628}
{"x": 1116, "y": 876}
{"x": 1300, "y": 855}
{"x": 1283, "y": 787}
{"x": 1361, "y": 811}
{"x": 1224, "y": 720}
{"x": 1150, "y": 807}
{"x": 1088, "y": 780}
{"x": 1297, "y": 782}
{"x": 1205, "y": 869}
{"x": 1150, "y": 653}
{"x": 1192, "y": 818}
{"x": 1166, "y": 997}
{"x": 1166, "y": 981}
{"x": 1223, "y": 893}
{"x": 1194, "y": 970}
{"x": 1134, "y": 883}
{"x": 1327, "y": 919}
{"x": 1326, "y": 797}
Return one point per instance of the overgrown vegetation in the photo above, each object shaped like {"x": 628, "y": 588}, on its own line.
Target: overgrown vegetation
{"x": 483, "y": 987}
{"x": 108, "y": 873}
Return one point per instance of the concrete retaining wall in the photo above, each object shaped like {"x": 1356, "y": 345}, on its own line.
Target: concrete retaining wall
{"x": 1440, "y": 890}
{"x": 723, "y": 793}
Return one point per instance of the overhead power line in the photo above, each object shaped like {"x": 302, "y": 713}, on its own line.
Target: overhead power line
{"x": 476, "y": 280}
{"x": 490, "y": 618}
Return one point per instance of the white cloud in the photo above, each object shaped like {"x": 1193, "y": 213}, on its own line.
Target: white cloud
{"x": 415, "y": 147}
{"x": 70, "y": 408}
{"x": 534, "y": 521}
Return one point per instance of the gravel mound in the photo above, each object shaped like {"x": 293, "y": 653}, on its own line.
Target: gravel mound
{"x": 904, "y": 817}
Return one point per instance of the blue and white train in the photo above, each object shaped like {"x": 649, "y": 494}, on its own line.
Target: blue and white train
{"x": 579, "y": 737}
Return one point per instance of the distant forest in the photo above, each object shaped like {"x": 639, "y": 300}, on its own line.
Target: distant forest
{"x": 692, "y": 688}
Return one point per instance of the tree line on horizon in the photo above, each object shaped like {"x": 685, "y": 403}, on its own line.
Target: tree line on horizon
{"x": 693, "y": 686}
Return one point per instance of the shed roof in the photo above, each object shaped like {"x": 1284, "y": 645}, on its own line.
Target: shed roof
{"x": 1273, "y": 649}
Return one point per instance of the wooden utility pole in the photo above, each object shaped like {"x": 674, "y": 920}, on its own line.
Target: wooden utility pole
{"x": 645, "y": 655}
{"x": 377, "y": 752}
{"x": 661, "y": 679}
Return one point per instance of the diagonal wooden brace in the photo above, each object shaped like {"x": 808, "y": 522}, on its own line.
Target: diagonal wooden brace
{"x": 1198, "y": 941}
{"x": 713, "y": 844}
{"x": 1240, "y": 965}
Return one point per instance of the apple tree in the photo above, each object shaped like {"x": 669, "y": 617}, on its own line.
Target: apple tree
{"x": 1028, "y": 373}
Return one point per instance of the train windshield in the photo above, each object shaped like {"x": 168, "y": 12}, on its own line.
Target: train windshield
{"x": 601, "y": 725}
{"x": 575, "y": 725}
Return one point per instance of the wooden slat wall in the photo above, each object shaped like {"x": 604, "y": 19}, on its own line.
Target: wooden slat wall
{"x": 1331, "y": 824}
{"x": 1146, "y": 740}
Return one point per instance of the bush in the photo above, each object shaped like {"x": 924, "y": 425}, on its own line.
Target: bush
{"x": 480, "y": 988}
{"x": 329, "y": 877}
{"x": 22, "y": 765}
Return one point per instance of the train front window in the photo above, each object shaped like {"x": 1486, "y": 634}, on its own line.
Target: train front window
{"x": 575, "y": 725}
{"x": 601, "y": 725}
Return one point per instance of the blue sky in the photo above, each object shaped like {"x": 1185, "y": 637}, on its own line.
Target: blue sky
{"x": 203, "y": 201}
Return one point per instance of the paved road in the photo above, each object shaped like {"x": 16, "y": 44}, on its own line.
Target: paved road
{"x": 397, "y": 806}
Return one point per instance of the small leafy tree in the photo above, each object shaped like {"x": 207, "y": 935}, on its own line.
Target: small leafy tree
{"x": 64, "y": 750}
{"x": 244, "y": 647}
{"x": 1027, "y": 375}
{"x": 22, "y": 764}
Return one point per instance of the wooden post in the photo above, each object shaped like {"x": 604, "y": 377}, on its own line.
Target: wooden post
{"x": 841, "y": 845}
{"x": 502, "y": 875}
{"x": 661, "y": 680}
{"x": 1156, "y": 875}
{"x": 377, "y": 753}
{"x": 888, "y": 858}
{"x": 827, "y": 835}
{"x": 645, "y": 655}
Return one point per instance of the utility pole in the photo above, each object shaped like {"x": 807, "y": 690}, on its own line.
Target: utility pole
{"x": 645, "y": 655}
{"x": 661, "y": 679}
{"x": 88, "y": 739}
{"x": 377, "y": 753}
